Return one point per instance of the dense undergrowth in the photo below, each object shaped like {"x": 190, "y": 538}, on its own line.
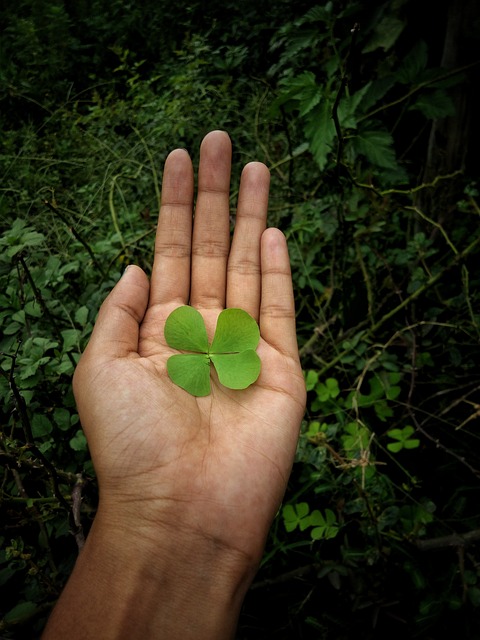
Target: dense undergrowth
{"x": 378, "y": 533}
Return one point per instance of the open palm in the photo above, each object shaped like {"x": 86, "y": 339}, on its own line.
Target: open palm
{"x": 213, "y": 466}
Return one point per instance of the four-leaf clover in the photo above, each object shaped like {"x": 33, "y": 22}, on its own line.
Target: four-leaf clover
{"x": 232, "y": 351}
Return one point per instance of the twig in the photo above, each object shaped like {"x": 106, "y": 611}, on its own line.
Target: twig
{"x": 285, "y": 577}
{"x": 402, "y": 192}
{"x": 37, "y": 516}
{"x": 74, "y": 512}
{"x": 453, "y": 540}
{"x": 437, "y": 225}
{"x": 338, "y": 97}
{"x": 317, "y": 332}
{"x": 21, "y": 408}
{"x": 32, "y": 463}
{"x": 418, "y": 87}
{"x": 76, "y": 506}
{"x": 441, "y": 446}
{"x": 366, "y": 279}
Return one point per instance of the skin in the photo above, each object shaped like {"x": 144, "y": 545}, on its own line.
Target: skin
{"x": 188, "y": 486}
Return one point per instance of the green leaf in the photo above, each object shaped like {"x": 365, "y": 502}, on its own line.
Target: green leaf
{"x": 81, "y": 315}
{"x": 232, "y": 352}
{"x": 62, "y": 418}
{"x": 413, "y": 64}
{"x": 434, "y": 105}
{"x": 394, "y": 447}
{"x": 190, "y": 372}
{"x": 377, "y": 147}
{"x": 41, "y": 425}
{"x": 348, "y": 109}
{"x": 33, "y": 309}
{"x": 236, "y": 331}
{"x": 237, "y": 370}
{"x": 301, "y": 92}
{"x": 320, "y": 130}
{"x": 311, "y": 379}
{"x": 324, "y": 526}
{"x": 79, "y": 441}
{"x": 404, "y": 439}
{"x": 293, "y": 515}
{"x": 6, "y": 574}
{"x": 413, "y": 443}
{"x": 185, "y": 330}
{"x": 20, "y": 613}
{"x": 385, "y": 33}
{"x": 70, "y": 339}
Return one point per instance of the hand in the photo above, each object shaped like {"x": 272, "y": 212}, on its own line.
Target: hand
{"x": 176, "y": 472}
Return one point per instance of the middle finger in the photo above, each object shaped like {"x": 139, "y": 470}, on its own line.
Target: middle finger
{"x": 211, "y": 228}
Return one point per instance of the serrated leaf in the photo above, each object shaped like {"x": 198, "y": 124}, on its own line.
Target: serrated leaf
{"x": 185, "y": 330}
{"x": 386, "y": 32}
{"x": 348, "y": 109}
{"x": 236, "y": 331}
{"x": 62, "y": 418}
{"x": 377, "y": 147}
{"x": 297, "y": 92}
{"x": 434, "y": 105}
{"x": 41, "y": 425}
{"x": 413, "y": 64}
{"x": 237, "y": 370}
{"x": 190, "y": 372}
{"x": 376, "y": 91}
{"x": 320, "y": 130}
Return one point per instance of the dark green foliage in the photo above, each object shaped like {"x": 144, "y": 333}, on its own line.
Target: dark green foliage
{"x": 378, "y": 534}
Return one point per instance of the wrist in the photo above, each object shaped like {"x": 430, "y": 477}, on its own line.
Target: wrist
{"x": 162, "y": 585}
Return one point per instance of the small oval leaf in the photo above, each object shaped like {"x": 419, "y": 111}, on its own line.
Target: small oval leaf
{"x": 190, "y": 372}
{"x": 236, "y": 331}
{"x": 185, "y": 330}
{"x": 237, "y": 370}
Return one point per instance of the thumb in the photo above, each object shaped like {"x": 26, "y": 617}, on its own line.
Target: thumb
{"x": 116, "y": 330}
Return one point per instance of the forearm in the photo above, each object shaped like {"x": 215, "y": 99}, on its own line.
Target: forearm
{"x": 127, "y": 588}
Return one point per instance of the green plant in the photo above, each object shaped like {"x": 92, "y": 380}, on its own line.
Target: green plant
{"x": 232, "y": 351}
{"x": 299, "y": 515}
{"x": 402, "y": 439}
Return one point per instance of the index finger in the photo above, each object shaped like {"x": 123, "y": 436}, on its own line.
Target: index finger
{"x": 277, "y": 308}
{"x": 170, "y": 280}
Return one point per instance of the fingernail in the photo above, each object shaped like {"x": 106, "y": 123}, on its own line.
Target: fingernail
{"x": 126, "y": 269}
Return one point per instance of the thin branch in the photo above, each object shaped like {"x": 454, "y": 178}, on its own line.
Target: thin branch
{"x": 21, "y": 408}
{"x": 418, "y": 87}
{"x": 453, "y": 540}
{"x": 76, "y": 506}
{"x": 338, "y": 97}
{"x": 441, "y": 446}
{"x": 24, "y": 496}
{"x": 286, "y": 577}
